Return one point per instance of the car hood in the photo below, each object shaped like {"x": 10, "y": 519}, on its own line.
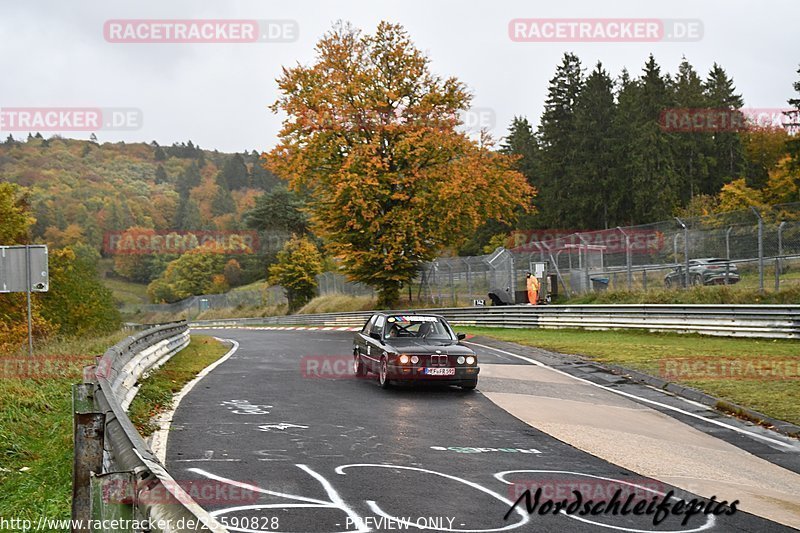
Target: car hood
{"x": 418, "y": 346}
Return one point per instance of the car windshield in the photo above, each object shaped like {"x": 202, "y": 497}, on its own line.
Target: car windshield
{"x": 417, "y": 327}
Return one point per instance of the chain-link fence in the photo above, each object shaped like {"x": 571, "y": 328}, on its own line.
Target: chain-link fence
{"x": 755, "y": 248}
{"x": 337, "y": 283}
{"x": 269, "y": 296}
{"x": 752, "y": 248}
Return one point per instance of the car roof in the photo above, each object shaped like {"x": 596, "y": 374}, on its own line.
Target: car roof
{"x": 386, "y": 313}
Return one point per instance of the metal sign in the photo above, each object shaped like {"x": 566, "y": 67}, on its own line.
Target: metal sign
{"x": 24, "y": 268}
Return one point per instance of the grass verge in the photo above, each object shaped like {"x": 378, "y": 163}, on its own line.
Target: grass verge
{"x": 667, "y": 354}
{"x": 720, "y": 294}
{"x": 36, "y": 421}
{"x": 155, "y": 394}
{"x": 36, "y": 426}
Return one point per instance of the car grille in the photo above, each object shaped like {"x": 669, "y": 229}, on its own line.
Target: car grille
{"x": 437, "y": 360}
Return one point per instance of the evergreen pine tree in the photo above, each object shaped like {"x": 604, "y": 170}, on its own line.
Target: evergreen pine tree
{"x": 557, "y": 140}
{"x": 161, "y": 175}
{"x": 234, "y": 172}
{"x": 188, "y": 179}
{"x": 655, "y": 183}
{"x": 260, "y": 177}
{"x": 726, "y": 158}
{"x": 592, "y": 195}
{"x": 223, "y": 202}
{"x": 187, "y": 216}
{"x": 690, "y": 148}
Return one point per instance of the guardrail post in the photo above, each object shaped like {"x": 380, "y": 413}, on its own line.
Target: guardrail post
{"x": 88, "y": 432}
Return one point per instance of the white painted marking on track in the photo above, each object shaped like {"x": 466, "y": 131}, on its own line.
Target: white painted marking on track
{"x": 282, "y": 426}
{"x": 380, "y": 512}
{"x": 336, "y": 501}
{"x": 710, "y": 521}
{"x": 639, "y": 398}
{"x": 335, "y": 498}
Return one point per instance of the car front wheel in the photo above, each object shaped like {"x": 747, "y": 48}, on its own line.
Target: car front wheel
{"x": 383, "y": 374}
{"x": 358, "y": 366}
{"x": 469, "y": 386}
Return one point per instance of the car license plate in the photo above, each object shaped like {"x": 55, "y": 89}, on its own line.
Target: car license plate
{"x": 440, "y": 371}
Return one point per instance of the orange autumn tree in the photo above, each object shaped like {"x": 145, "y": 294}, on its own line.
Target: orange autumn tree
{"x": 372, "y": 141}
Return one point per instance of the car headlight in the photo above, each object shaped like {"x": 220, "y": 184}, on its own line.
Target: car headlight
{"x": 414, "y": 359}
{"x": 460, "y": 359}
{"x": 404, "y": 359}
{"x": 470, "y": 360}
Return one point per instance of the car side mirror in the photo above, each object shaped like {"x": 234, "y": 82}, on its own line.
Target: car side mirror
{"x": 376, "y": 336}
{"x": 461, "y": 336}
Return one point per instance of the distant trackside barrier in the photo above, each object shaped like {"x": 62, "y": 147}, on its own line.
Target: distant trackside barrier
{"x": 755, "y": 321}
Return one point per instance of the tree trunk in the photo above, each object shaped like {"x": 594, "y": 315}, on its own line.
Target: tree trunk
{"x": 388, "y": 294}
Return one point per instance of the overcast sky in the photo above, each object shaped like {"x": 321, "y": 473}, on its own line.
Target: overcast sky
{"x": 55, "y": 55}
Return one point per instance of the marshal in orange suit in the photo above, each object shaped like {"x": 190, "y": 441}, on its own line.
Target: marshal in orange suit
{"x": 533, "y": 288}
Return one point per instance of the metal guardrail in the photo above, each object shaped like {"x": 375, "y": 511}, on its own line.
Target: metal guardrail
{"x": 754, "y": 321}
{"x": 117, "y": 479}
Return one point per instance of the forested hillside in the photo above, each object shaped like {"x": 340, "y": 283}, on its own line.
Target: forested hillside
{"x": 79, "y": 190}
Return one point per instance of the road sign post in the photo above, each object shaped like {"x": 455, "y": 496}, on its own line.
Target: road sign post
{"x": 24, "y": 268}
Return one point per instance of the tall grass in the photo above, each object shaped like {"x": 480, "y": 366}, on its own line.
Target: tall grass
{"x": 36, "y": 427}
{"x": 332, "y": 303}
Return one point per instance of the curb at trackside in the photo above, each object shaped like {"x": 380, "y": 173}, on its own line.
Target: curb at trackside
{"x": 781, "y": 426}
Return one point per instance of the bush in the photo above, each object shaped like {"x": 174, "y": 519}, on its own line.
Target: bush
{"x": 77, "y": 302}
{"x": 297, "y": 266}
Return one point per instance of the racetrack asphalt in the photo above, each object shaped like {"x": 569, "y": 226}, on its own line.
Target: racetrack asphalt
{"x": 336, "y": 453}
